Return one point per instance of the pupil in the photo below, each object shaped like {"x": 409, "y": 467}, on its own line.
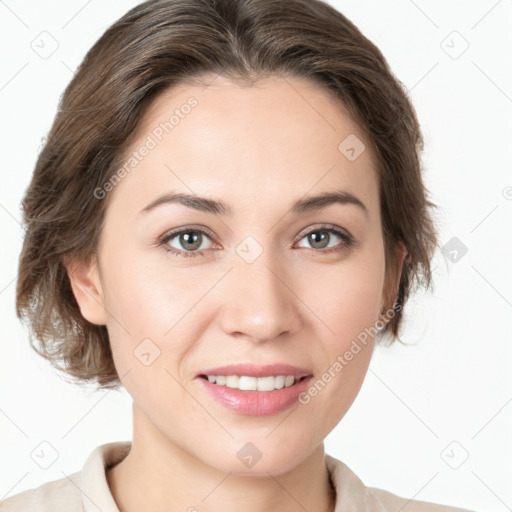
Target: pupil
{"x": 189, "y": 239}
{"x": 318, "y": 237}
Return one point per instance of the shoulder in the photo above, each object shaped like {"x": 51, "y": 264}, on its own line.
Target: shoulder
{"x": 61, "y": 495}
{"x": 392, "y": 502}
{"x": 352, "y": 494}
{"x": 83, "y": 491}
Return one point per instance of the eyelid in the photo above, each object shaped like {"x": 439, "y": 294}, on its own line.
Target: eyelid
{"x": 348, "y": 239}
{"x": 327, "y": 227}
{"x": 184, "y": 229}
{"x": 209, "y": 232}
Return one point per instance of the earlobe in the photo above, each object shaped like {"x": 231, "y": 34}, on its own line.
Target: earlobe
{"x": 402, "y": 254}
{"x": 86, "y": 286}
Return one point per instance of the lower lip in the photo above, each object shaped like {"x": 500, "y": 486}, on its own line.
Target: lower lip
{"x": 256, "y": 403}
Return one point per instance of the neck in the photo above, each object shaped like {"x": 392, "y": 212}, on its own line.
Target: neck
{"x": 158, "y": 475}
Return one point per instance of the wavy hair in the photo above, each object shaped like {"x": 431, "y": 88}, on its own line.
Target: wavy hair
{"x": 162, "y": 43}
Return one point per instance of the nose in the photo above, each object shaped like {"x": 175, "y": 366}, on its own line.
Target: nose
{"x": 259, "y": 301}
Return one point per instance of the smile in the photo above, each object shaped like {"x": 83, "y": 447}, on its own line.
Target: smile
{"x": 248, "y": 383}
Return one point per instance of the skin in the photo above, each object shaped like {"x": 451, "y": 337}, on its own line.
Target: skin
{"x": 258, "y": 149}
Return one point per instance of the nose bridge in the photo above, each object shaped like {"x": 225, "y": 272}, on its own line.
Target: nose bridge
{"x": 258, "y": 301}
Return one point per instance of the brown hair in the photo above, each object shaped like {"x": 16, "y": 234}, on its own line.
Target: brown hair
{"x": 161, "y": 43}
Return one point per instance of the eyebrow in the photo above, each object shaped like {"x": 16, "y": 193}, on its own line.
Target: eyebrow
{"x": 204, "y": 204}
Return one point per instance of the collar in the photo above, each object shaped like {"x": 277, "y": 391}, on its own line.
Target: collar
{"x": 96, "y": 493}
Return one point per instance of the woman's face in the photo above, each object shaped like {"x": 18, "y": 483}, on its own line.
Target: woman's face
{"x": 266, "y": 284}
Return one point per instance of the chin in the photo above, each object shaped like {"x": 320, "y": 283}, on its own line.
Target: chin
{"x": 258, "y": 458}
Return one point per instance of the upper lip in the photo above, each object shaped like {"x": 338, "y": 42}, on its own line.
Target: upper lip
{"x": 252, "y": 370}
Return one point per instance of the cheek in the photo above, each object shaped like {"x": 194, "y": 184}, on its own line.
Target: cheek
{"x": 346, "y": 297}
{"x": 348, "y": 303}
{"x": 147, "y": 296}
{"x": 157, "y": 308}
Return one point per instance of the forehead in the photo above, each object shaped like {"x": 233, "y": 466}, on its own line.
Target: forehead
{"x": 281, "y": 136}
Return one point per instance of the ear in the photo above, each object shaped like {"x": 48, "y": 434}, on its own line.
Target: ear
{"x": 392, "y": 281}
{"x": 86, "y": 285}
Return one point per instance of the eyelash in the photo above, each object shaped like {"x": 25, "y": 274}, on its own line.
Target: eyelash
{"x": 347, "y": 239}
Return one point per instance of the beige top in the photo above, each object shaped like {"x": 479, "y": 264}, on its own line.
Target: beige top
{"x": 88, "y": 491}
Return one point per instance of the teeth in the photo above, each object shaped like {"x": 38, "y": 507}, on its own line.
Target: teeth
{"x": 289, "y": 381}
{"x": 232, "y": 381}
{"x": 246, "y": 383}
{"x": 279, "y": 381}
{"x": 264, "y": 383}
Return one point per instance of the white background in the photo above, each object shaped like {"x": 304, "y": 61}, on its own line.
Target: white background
{"x": 422, "y": 408}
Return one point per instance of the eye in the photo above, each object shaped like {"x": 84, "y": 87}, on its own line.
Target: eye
{"x": 190, "y": 240}
{"x": 320, "y": 238}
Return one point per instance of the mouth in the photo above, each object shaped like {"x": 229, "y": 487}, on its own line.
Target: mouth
{"x": 251, "y": 377}
{"x": 251, "y": 383}
{"x": 252, "y": 390}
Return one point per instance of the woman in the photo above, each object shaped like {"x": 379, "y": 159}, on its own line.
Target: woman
{"x": 227, "y": 214}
